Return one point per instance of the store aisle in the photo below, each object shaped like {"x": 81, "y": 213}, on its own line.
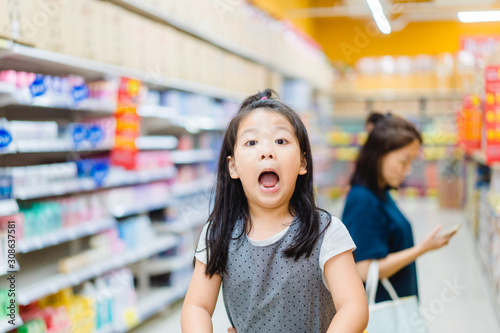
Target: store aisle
{"x": 453, "y": 287}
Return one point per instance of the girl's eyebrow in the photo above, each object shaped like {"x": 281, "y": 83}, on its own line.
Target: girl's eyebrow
{"x": 283, "y": 128}
{"x": 248, "y": 130}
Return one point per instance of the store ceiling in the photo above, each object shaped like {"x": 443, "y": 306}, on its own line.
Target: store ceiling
{"x": 401, "y": 10}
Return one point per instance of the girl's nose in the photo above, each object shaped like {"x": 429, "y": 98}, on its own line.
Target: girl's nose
{"x": 267, "y": 155}
{"x": 267, "y": 152}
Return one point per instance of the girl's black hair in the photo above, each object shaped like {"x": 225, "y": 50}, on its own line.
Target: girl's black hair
{"x": 390, "y": 133}
{"x": 230, "y": 202}
{"x": 374, "y": 117}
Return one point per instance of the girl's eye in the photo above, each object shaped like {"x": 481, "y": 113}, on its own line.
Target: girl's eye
{"x": 251, "y": 143}
{"x": 281, "y": 141}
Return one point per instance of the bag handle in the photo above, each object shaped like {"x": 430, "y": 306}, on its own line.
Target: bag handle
{"x": 372, "y": 284}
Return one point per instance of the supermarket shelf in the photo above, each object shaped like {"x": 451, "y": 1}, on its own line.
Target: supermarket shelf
{"x": 184, "y": 224}
{"x": 197, "y": 186}
{"x": 6, "y": 89}
{"x": 156, "y": 142}
{"x": 4, "y": 270}
{"x": 8, "y": 207}
{"x": 165, "y": 265}
{"x": 152, "y": 11}
{"x": 125, "y": 178}
{"x": 362, "y": 95}
{"x": 191, "y": 122}
{"x": 5, "y": 326}
{"x": 48, "y": 146}
{"x": 156, "y": 300}
{"x": 36, "y": 286}
{"x": 62, "y": 64}
{"x": 64, "y": 235}
{"x": 193, "y": 156}
{"x": 153, "y": 204}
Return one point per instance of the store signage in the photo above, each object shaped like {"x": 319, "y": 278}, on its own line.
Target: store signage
{"x": 492, "y": 113}
{"x": 127, "y": 124}
{"x": 469, "y": 123}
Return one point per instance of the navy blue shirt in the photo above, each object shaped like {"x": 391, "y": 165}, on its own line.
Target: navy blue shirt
{"x": 378, "y": 228}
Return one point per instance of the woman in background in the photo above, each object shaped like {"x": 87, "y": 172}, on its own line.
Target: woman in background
{"x": 377, "y": 226}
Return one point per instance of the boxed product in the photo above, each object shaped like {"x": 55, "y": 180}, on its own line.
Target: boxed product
{"x": 5, "y": 21}
{"x": 87, "y": 25}
{"x": 114, "y": 37}
{"x": 46, "y": 24}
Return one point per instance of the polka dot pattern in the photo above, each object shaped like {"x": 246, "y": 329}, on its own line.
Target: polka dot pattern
{"x": 266, "y": 292}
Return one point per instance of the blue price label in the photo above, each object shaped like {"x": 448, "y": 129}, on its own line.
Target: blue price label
{"x": 99, "y": 173}
{"x": 5, "y": 138}
{"x": 79, "y": 134}
{"x": 38, "y": 88}
{"x": 80, "y": 93}
{"x": 95, "y": 135}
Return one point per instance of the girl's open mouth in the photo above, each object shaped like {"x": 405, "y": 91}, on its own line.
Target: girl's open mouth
{"x": 269, "y": 181}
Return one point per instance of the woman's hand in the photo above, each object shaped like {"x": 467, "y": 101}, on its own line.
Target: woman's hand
{"x": 434, "y": 240}
{"x": 231, "y": 330}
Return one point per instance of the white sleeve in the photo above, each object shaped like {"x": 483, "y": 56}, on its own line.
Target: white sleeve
{"x": 201, "y": 249}
{"x": 336, "y": 240}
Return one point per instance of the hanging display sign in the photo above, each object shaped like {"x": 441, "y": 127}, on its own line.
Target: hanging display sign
{"x": 469, "y": 122}
{"x": 127, "y": 124}
{"x": 492, "y": 113}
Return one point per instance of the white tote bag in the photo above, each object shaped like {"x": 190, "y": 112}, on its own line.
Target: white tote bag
{"x": 399, "y": 315}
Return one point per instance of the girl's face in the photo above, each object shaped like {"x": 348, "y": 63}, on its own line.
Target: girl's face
{"x": 267, "y": 159}
{"x": 396, "y": 165}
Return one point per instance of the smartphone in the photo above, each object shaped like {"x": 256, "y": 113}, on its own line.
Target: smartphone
{"x": 451, "y": 230}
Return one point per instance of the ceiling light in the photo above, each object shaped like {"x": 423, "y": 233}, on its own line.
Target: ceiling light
{"x": 479, "y": 16}
{"x": 379, "y": 16}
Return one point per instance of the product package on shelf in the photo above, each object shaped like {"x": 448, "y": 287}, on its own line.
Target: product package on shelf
{"x": 6, "y": 13}
{"x": 108, "y": 304}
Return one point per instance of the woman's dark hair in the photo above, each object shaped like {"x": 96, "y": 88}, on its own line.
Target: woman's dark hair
{"x": 230, "y": 202}
{"x": 390, "y": 133}
{"x": 373, "y": 118}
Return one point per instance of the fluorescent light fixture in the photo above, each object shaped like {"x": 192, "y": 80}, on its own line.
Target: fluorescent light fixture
{"x": 479, "y": 16}
{"x": 379, "y": 16}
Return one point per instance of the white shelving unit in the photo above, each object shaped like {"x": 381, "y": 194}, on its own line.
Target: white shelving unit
{"x": 57, "y": 62}
{"x": 119, "y": 179}
{"x": 193, "y": 156}
{"x": 30, "y": 244}
{"x": 35, "y": 285}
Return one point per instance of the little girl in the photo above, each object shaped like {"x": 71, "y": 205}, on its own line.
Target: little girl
{"x": 284, "y": 264}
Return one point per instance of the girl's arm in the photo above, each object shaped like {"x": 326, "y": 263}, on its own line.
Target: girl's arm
{"x": 348, "y": 295}
{"x": 394, "y": 262}
{"x": 199, "y": 304}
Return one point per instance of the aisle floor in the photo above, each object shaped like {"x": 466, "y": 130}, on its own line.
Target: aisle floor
{"x": 453, "y": 287}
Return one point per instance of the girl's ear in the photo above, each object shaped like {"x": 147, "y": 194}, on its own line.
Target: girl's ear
{"x": 303, "y": 165}
{"x": 232, "y": 168}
